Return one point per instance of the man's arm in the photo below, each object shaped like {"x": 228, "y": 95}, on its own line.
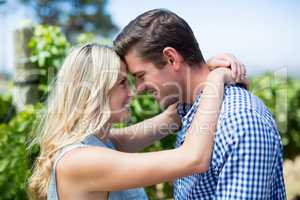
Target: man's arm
{"x": 141, "y": 135}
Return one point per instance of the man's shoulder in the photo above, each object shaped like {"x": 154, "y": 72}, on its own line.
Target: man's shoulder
{"x": 238, "y": 100}
{"x": 240, "y": 104}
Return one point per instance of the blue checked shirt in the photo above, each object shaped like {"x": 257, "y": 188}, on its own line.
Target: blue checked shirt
{"x": 247, "y": 154}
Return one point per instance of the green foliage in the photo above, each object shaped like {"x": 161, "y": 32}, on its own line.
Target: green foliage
{"x": 48, "y": 48}
{"x": 74, "y": 17}
{"x": 7, "y": 110}
{"x": 91, "y": 38}
{"x": 142, "y": 107}
{"x": 282, "y": 97}
{"x": 85, "y": 38}
{"x": 15, "y": 159}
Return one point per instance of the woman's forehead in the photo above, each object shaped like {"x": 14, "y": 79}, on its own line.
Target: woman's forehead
{"x": 123, "y": 69}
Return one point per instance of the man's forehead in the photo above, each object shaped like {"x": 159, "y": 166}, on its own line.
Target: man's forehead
{"x": 134, "y": 69}
{"x": 133, "y": 58}
{"x": 135, "y": 64}
{"x": 136, "y": 72}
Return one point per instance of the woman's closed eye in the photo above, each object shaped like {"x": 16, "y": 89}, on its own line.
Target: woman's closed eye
{"x": 123, "y": 82}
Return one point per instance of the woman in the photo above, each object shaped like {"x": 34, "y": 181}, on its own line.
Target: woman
{"x": 78, "y": 159}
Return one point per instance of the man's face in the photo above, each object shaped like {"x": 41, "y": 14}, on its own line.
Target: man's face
{"x": 161, "y": 82}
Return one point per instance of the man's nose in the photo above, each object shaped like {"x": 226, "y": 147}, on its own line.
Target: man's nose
{"x": 140, "y": 88}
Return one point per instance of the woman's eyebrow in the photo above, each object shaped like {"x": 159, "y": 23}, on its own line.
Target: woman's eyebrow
{"x": 122, "y": 78}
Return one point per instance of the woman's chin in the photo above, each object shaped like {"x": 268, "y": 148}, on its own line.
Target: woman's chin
{"x": 124, "y": 116}
{"x": 118, "y": 117}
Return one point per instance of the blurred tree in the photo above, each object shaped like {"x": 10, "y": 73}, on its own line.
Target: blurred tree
{"x": 282, "y": 97}
{"x": 7, "y": 110}
{"x": 74, "y": 16}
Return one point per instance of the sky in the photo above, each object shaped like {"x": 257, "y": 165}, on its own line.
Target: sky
{"x": 264, "y": 35}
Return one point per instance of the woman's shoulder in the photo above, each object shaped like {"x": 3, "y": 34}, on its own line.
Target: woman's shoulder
{"x": 82, "y": 158}
{"x": 78, "y": 161}
{"x": 79, "y": 151}
{"x": 95, "y": 141}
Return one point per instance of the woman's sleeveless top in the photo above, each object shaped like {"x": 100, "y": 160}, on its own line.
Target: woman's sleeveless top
{"x": 131, "y": 194}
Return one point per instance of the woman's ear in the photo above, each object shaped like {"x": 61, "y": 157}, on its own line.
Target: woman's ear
{"x": 172, "y": 57}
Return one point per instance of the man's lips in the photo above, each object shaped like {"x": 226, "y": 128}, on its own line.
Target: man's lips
{"x": 154, "y": 93}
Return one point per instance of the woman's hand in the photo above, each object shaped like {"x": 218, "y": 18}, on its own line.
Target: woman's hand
{"x": 226, "y": 76}
{"x": 171, "y": 116}
{"x": 136, "y": 137}
{"x": 229, "y": 61}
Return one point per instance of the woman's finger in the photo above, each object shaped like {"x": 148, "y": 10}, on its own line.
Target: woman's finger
{"x": 246, "y": 82}
{"x": 233, "y": 62}
{"x": 238, "y": 72}
{"x": 216, "y": 62}
{"x": 233, "y": 67}
{"x": 243, "y": 71}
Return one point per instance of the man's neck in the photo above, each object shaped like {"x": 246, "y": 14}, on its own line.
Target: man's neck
{"x": 194, "y": 80}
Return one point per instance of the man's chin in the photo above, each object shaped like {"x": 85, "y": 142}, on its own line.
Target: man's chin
{"x": 164, "y": 104}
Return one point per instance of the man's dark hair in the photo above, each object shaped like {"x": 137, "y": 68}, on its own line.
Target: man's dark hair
{"x": 154, "y": 30}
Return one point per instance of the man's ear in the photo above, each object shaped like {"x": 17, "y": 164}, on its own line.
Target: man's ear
{"x": 172, "y": 57}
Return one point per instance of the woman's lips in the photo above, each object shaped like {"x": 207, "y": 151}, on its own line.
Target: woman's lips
{"x": 127, "y": 103}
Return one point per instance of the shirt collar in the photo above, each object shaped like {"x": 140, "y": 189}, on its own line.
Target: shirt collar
{"x": 184, "y": 108}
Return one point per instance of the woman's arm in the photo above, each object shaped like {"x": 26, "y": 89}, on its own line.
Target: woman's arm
{"x": 139, "y": 136}
{"x": 101, "y": 169}
{"x": 205, "y": 119}
{"x": 136, "y": 137}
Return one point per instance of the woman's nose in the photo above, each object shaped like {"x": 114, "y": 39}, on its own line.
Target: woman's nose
{"x": 131, "y": 92}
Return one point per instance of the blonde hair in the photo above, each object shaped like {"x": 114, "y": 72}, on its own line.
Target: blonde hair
{"x": 78, "y": 106}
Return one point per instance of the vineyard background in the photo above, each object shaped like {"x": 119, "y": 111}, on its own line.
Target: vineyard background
{"x": 39, "y": 51}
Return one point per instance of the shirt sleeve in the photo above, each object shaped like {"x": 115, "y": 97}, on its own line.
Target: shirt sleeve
{"x": 249, "y": 163}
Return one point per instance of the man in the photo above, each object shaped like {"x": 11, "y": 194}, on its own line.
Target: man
{"x": 162, "y": 53}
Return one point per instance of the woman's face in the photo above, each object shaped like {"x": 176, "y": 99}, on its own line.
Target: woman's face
{"x": 120, "y": 97}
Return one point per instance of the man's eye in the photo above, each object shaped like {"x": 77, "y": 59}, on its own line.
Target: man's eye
{"x": 140, "y": 76}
